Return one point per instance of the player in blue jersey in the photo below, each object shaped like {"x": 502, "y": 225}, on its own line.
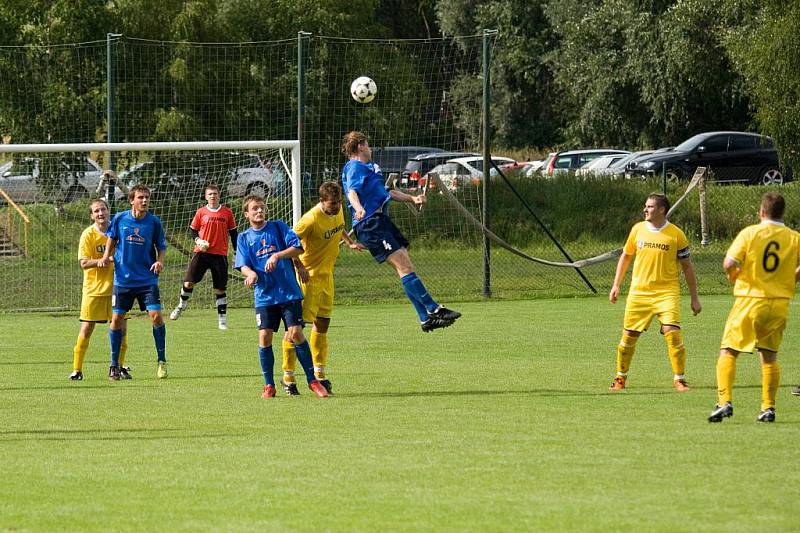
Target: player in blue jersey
{"x": 136, "y": 239}
{"x": 369, "y": 205}
{"x": 264, "y": 256}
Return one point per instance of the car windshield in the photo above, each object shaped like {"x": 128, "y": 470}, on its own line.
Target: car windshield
{"x": 630, "y": 157}
{"x": 690, "y": 144}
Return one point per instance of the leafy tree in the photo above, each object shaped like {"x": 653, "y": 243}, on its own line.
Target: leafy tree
{"x": 522, "y": 90}
{"x": 766, "y": 51}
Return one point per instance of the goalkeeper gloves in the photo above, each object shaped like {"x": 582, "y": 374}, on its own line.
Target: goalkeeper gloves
{"x": 202, "y": 244}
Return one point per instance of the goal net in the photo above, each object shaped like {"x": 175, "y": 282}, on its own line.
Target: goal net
{"x": 45, "y": 193}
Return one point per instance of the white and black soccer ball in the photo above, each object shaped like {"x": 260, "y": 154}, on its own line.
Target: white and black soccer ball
{"x": 363, "y": 90}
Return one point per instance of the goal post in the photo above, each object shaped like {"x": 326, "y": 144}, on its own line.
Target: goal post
{"x": 51, "y": 185}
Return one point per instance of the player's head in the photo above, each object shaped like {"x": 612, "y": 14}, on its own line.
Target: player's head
{"x": 330, "y": 197}
{"x": 355, "y": 144}
{"x": 772, "y": 206}
{"x": 656, "y": 207}
{"x": 139, "y": 197}
{"x": 255, "y": 210}
{"x": 212, "y": 195}
{"x": 98, "y": 211}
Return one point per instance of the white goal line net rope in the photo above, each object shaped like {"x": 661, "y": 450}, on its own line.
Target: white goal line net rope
{"x": 698, "y": 180}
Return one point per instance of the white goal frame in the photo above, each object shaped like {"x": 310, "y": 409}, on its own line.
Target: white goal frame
{"x": 293, "y": 145}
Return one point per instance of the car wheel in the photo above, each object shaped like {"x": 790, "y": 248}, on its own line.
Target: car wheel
{"x": 674, "y": 176}
{"x": 74, "y": 193}
{"x": 259, "y": 188}
{"x": 770, "y": 176}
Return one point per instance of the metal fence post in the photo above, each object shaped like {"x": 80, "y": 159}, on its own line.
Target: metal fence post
{"x": 487, "y": 158}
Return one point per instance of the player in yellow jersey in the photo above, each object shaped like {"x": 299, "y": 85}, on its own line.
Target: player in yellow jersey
{"x": 764, "y": 264}
{"x": 661, "y": 250}
{"x": 320, "y": 230}
{"x": 97, "y": 284}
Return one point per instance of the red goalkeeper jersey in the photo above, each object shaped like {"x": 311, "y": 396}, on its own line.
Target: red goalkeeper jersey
{"x": 213, "y": 226}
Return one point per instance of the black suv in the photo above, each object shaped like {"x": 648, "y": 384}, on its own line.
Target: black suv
{"x": 417, "y": 167}
{"x": 732, "y": 156}
{"x": 393, "y": 158}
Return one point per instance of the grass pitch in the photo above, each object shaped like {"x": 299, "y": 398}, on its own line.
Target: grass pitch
{"x": 502, "y": 422}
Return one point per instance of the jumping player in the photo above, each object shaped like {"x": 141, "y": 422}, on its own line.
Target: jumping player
{"x": 660, "y": 248}
{"x": 211, "y": 226}
{"x": 97, "y": 284}
{"x": 136, "y": 240}
{"x": 369, "y": 205}
{"x": 764, "y": 264}
{"x": 320, "y": 231}
{"x": 264, "y": 255}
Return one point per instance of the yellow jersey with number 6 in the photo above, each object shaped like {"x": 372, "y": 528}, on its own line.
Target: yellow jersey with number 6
{"x": 768, "y": 255}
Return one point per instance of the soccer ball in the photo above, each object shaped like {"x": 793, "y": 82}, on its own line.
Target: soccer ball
{"x": 363, "y": 90}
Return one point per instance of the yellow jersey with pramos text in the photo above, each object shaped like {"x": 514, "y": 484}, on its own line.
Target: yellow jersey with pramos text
{"x": 96, "y": 281}
{"x": 320, "y": 235}
{"x": 656, "y": 265}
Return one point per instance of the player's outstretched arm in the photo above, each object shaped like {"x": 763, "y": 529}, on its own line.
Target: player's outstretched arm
{"x": 622, "y": 267}
{"x": 353, "y": 245}
{"x": 691, "y": 281}
{"x": 106, "y": 259}
{"x": 250, "y": 276}
{"x": 355, "y": 201}
{"x": 408, "y": 198}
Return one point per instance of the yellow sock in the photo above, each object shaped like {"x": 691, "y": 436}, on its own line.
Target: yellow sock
{"x": 625, "y": 350}
{"x": 289, "y": 361}
{"x": 770, "y": 379}
{"x": 79, "y": 353}
{"x": 319, "y": 353}
{"x": 676, "y": 351}
{"x": 726, "y": 374}
{"x": 123, "y": 348}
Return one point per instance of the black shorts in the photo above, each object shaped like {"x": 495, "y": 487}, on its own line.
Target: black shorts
{"x": 270, "y": 317}
{"x": 201, "y": 262}
{"x": 381, "y": 237}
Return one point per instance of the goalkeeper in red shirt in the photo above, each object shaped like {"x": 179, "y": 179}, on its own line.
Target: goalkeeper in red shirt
{"x": 211, "y": 227}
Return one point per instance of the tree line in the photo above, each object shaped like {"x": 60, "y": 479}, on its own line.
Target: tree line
{"x": 628, "y": 73}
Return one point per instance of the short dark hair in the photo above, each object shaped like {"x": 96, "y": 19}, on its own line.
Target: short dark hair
{"x": 250, "y": 198}
{"x": 136, "y": 188}
{"x": 212, "y": 186}
{"x": 97, "y": 201}
{"x": 351, "y": 141}
{"x": 773, "y": 205}
{"x": 330, "y": 190}
{"x": 661, "y": 200}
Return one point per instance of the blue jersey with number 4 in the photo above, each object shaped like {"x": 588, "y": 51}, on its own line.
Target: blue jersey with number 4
{"x": 366, "y": 180}
{"x": 254, "y": 247}
{"x": 136, "y": 245}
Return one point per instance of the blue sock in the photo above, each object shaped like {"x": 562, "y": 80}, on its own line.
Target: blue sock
{"x": 115, "y": 339}
{"x": 160, "y": 336}
{"x": 414, "y": 287}
{"x": 267, "y": 360}
{"x": 303, "y": 351}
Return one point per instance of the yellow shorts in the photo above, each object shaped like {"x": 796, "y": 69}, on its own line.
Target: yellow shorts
{"x": 640, "y": 310}
{"x": 317, "y": 299}
{"x": 755, "y": 323}
{"x": 95, "y": 308}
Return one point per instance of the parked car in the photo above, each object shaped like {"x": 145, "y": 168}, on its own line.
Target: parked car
{"x": 465, "y": 170}
{"x": 393, "y": 158}
{"x": 252, "y": 175}
{"x": 64, "y": 179}
{"x": 419, "y": 165}
{"x": 599, "y": 166}
{"x": 732, "y": 156}
{"x": 575, "y": 159}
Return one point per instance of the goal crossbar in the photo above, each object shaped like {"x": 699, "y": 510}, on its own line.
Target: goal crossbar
{"x": 293, "y": 145}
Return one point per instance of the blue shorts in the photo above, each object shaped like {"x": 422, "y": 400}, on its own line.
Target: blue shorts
{"x": 122, "y": 298}
{"x": 381, "y": 237}
{"x": 269, "y": 317}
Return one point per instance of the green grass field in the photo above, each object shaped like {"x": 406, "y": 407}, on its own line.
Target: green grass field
{"x": 502, "y": 422}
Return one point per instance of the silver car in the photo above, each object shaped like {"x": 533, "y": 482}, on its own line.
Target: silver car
{"x": 64, "y": 180}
